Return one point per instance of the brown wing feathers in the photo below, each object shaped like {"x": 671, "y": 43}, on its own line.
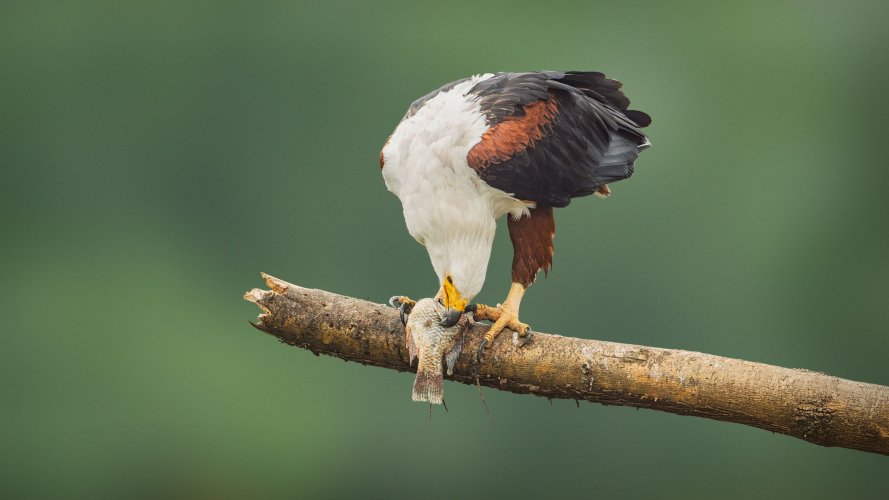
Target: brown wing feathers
{"x": 513, "y": 135}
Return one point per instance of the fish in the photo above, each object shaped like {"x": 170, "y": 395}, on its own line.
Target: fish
{"x": 429, "y": 341}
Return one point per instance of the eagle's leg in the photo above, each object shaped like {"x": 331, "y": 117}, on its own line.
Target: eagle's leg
{"x": 505, "y": 315}
{"x": 532, "y": 240}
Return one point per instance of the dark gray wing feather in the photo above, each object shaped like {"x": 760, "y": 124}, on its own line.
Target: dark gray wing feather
{"x": 593, "y": 140}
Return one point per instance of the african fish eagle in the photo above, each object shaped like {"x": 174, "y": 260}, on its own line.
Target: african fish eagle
{"x": 505, "y": 143}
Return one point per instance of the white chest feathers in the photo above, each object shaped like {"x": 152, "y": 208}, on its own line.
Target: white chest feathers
{"x": 447, "y": 207}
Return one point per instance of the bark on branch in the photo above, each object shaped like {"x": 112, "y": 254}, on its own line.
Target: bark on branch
{"x": 818, "y": 408}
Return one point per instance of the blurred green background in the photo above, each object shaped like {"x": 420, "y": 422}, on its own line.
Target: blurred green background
{"x": 155, "y": 157}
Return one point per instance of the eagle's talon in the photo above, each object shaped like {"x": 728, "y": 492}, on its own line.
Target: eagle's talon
{"x": 521, "y": 340}
{"x": 404, "y": 306}
{"x": 519, "y": 328}
{"x": 397, "y": 301}
{"x": 503, "y": 316}
{"x": 478, "y": 352}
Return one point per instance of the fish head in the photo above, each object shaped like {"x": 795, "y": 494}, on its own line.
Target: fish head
{"x": 427, "y": 314}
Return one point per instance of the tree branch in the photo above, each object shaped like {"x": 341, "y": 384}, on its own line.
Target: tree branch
{"x": 818, "y": 408}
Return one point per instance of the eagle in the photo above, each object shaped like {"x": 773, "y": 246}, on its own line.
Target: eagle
{"x": 494, "y": 144}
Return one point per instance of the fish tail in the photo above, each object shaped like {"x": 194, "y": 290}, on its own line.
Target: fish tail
{"x": 428, "y": 384}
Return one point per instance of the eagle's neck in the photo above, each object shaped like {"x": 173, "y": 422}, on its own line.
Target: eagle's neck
{"x": 462, "y": 249}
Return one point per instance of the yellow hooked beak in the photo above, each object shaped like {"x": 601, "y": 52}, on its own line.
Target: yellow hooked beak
{"x": 454, "y": 303}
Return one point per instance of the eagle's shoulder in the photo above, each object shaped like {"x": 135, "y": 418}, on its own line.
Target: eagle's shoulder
{"x": 416, "y": 105}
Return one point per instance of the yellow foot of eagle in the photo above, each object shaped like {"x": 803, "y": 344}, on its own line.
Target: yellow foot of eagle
{"x": 505, "y": 315}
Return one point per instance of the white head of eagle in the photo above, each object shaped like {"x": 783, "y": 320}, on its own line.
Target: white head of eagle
{"x": 517, "y": 143}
